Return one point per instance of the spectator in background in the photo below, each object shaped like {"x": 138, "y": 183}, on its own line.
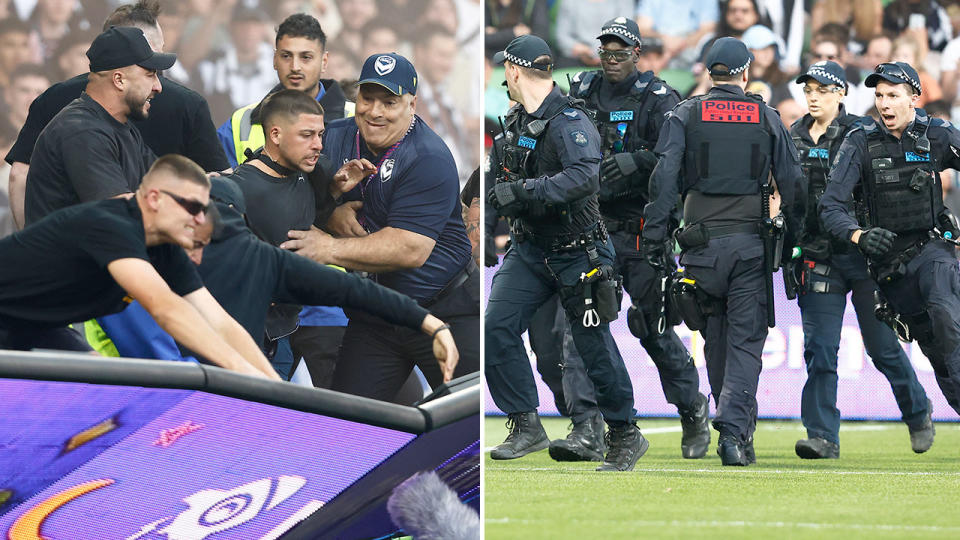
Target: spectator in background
{"x": 70, "y": 57}
{"x": 342, "y": 67}
{"x": 860, "y": 98}
{"x": 576, "y": 29}
{"x": 680, "y": 25}
{"x": 507, "y": 19}
{"x": 908, "y": 49}
{"x": 379, "y": 37}
{"x": 786, "y": 18}
{"x": 205, "y": 26}
{"x": 925, "y": 18}
{"x": 652, "y": 56}
{"x": 27, "y": 83}
{"x": 790, "y": 111}
{"x": 410, "y": 11}
{"x": 241, "y": 70}
{"x": 767, "y": 49}
{"x": 52, "y": 20}
{"x": 14, "y": 48}
{"x": 736, "y": 16}
{"x": 864, "y": 17}
{"x": 356, "y": 14}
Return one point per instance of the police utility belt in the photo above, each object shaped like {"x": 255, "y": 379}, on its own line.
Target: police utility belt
{"x": 700, "y": 234}
{"x": 560, "y": 242}
{"x": 632, "y": 226}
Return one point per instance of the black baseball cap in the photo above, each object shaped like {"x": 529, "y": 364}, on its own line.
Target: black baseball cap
{"x": 825, "y": 72}
{"x": 391, "y": 71}
{"x": 122, "y": 46}
{"x": 732, "y": 53}
{"x": 622, "y": 28}
{"x": 896, "y": 73}
{"x": 523, "y": 50}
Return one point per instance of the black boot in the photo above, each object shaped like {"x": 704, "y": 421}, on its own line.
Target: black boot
{"x": 731, "y": 450}
{"x": 921, "y": 437}
{"x": 749, "y": 453}
{"x": 696, "y": 431}
{"x": 526, "y": 435}
{"x": 626, "y": 445}
{"x": 817, "y": 448}
{"x": 583, "y": 443}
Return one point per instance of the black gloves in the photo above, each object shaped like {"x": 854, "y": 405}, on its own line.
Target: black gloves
{"x": 876, "y": 241}
{"x": 509, "y": 198}
{"x": 653, "y": 253}
{"x": 490, "y": 252}
{"x": 616, "y": 166}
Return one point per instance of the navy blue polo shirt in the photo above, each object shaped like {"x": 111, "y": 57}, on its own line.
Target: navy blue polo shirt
{"x": 416, "y": 188}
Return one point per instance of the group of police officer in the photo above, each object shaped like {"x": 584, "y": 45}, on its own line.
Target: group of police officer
{"x": 590, "y": 184}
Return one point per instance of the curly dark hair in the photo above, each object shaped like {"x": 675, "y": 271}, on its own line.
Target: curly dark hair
{"x": 302, "y": 25}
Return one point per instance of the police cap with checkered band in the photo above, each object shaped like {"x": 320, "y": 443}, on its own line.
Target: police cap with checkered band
{"x": 622, "y": 28}
{"x": 523, "y": 51}
{"x": 730, "y": 53}
{"x": 825, "y": 72}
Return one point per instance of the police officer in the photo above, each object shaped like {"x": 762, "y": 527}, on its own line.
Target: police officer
{"x": 826, "y": 271}
{"x": 896, "y": 162}
{"x": 551, "y": 159}
{"x": 718, "y": 150}
{"x": 629, "y": 109}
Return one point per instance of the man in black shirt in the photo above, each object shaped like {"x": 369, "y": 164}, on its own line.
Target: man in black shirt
{"x": 90, "y": 151}
{"x": 81, "y": 262}
{"x": 179, "y": 122}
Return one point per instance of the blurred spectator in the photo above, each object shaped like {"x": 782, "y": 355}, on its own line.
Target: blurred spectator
{"x": 410, "y": 11}
{"x": 172, "y": 18}
{"x": 14, "y": 48}
{"x": 52, "y": 20}
{"x": 435, "y": 53}
{"x": 907, "y": 49}
{"x": 767, "y": 49}
{"x": 679, "y": 24}
{"x": 860, "y": 98}
{"x": 576, "y": 26}
{"x": 341, "y": 66}
{"x": 324, "y": 11}
{"x": 863, "y": 17}
{"x": 379, "y": 37}
{"x": 356, "y": 14}
{"x": 241, "y": 70}
{"x": 204, "y": 28}
{"x": 652, "y": 56}
{"x": 507, "y": 19}
{"x": 926, "y": 19}
{"x": 70, "y": 57}
{"x": 786, "y": 18}
{"x": 790, "y": 111}
{"x": 28, "y": 82}
{"x": 761, "y": 89}
{"x": 736, "y": 16}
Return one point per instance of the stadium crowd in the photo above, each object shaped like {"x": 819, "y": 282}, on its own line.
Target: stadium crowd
{"x": 93, "y": 91}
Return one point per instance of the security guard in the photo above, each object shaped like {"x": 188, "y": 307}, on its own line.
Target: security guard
{"x": 896, "y": 163}
{"x": 629, "y": 108}
{"x": 551, "y": 159}
{"x": 718, "y": 151}
{"x": 826, "y": 271}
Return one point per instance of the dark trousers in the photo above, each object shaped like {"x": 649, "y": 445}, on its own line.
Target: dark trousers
{"x": 319, "y": 346}
{"x": 931, "y": 287}
{"x": 822, "y": 315}
{"x": 528, "y": 278}
{"x": 376, "y": 357}
{"x": 25, "y": 338}
{"x": 730, "y": 269}
{"x": 559, "y": 364}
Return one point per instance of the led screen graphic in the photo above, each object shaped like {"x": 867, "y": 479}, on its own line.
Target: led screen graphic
{"x": 97, "y": 461}
{"x": 862, "y": 392}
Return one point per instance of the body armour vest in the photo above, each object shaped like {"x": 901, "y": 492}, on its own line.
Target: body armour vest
{"x": 728, "y": 146}
{"x": 903, "y": 188}
{"x": 816, "y": 160}
{"x": 520, "y": 146}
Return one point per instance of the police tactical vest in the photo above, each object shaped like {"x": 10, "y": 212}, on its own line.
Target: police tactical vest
{"x": 903, "y": 188}
{"x": 816, "y": 160}
{"x": 728, "y": 147}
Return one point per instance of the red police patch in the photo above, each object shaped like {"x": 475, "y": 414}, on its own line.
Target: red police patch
{"x": 737, "y": 112}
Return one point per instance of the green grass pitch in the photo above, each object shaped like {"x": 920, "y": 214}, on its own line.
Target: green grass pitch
{"x": 877, "y": 489}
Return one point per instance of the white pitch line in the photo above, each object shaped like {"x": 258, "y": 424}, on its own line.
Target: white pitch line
{"x": 739, "y": 471}
{"x": 753, "y": 524}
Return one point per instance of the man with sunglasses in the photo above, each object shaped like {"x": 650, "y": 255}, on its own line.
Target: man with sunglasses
{"x": 86, "y": 260}
{"x": 891, "y": 168}
{"x": 718, "y": 151}
{"x": 826, "y": 271}
{"x": 91, "y": 150}
{"x": 629, "y": 108}
{"x": 550, "y": 163}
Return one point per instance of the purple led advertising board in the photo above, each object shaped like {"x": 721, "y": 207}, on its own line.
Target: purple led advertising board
{"x": 862, "y": 392}
{"x": 97, "y": 461}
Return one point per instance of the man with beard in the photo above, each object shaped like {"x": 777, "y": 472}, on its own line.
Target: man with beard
{"x": 91, "y": 151}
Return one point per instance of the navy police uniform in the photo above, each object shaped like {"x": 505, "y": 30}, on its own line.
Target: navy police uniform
{"x": 901, "y": 193}
{"x": 829, "y": 269}
{"x": 558, "y": 242}
{"x": 717, "y": 150}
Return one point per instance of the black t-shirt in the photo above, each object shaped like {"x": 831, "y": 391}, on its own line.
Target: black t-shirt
{"x": 84, "y": 154}
{"x": 275, "y": 205}
{"x": 179, "y": 123}
{"x": 54, "y": 272}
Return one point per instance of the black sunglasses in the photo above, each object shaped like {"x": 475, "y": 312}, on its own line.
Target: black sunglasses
{"x": 894, "y": 71}
{"x": 191, "y": 206}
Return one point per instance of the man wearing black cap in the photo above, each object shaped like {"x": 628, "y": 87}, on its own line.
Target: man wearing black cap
{"x": 401, "y": 224}
{"x": 550, "y": 163}
{"x": 825, "y": 271}
{"x": 629, "y": 109}
{"x": 718, "y": 150}
{"x": 896, "y": 164}
{"x": 91, "y": 151}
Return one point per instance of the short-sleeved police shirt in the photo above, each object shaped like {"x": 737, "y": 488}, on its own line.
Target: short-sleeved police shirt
{"x": 54, "y": 272}
{"x": 179, "y": 123}
{"x": 415, "y": 188}
{"x": 84, "y": 154}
